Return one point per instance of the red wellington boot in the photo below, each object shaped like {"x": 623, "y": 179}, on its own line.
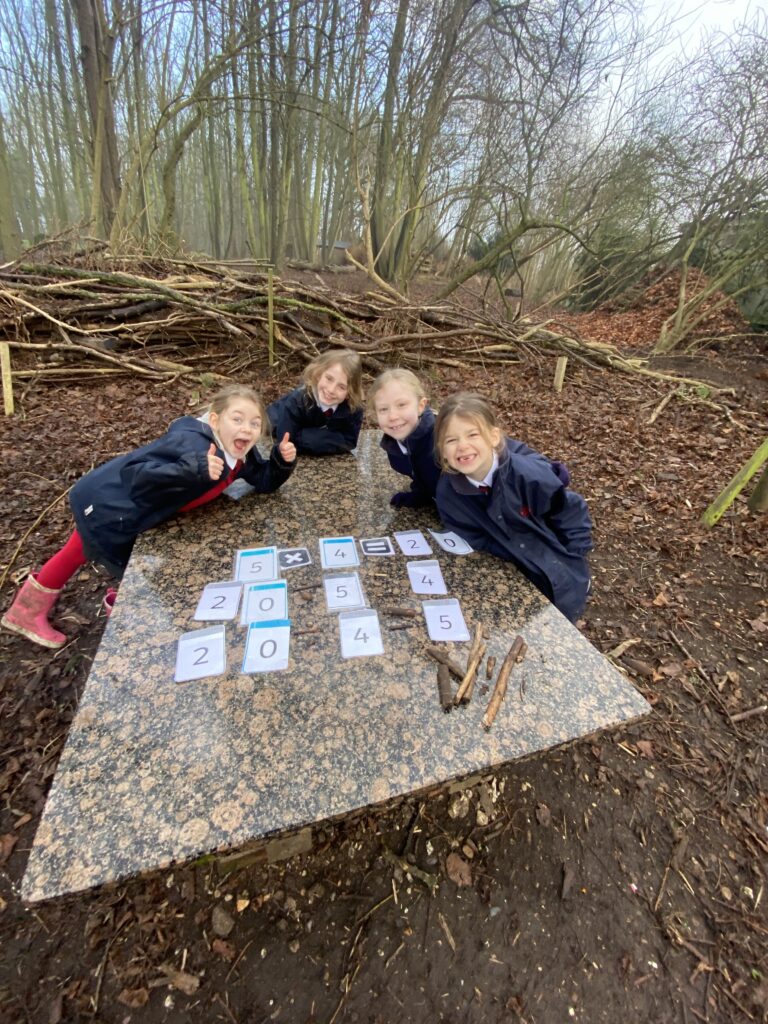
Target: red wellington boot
{"x": 29, "y": 612}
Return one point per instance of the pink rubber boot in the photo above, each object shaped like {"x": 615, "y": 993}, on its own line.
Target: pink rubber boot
{"x": 29, "y": 612}
{"x": 109, "y": 601}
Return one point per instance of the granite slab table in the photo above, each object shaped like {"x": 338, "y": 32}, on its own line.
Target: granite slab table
{"x": 155, "y": 772}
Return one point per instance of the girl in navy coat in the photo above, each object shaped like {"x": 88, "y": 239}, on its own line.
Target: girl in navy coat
{"x": 399, "y": 403}
{"x": 323, "y": 415}
{"x": 194, "y": 462}
{"x": 504, "y": 498}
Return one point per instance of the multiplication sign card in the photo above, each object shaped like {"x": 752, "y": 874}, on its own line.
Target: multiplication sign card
{"x": 263, "y": 602}
{"x": 413, "y": 542}
{"x": 445, "y": 620}
{"x": 201, "y": 653}
{"x": 426, "y": 577}
{"x": 452, "y": 543}
{"x": 267, "y": 646}
{"x": 343, "y": 590}
{"x": 338, "y": 552}
{"x": 256, "y": 565}
{"x": 360, "y": 634}
{"x": 218, "y": 601}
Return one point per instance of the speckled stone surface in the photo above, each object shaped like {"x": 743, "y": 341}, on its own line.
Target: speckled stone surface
{"x": 156, "y": 772}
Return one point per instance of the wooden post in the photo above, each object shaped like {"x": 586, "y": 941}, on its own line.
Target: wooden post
{"x": 5, "y": 369}
{"x": 562, "y": 362}
{"x": 745, "y": 474}
{"x": 270, "y": 317}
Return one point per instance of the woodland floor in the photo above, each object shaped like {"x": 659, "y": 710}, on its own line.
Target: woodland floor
{"x": 621, "y": 878}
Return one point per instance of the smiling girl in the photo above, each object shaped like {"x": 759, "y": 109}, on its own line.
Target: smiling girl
{"x": 504, "y": 498}
{"x": 323, "y": 415}
{"x": 193, "y": 463}
{"x": 399, "y": 403}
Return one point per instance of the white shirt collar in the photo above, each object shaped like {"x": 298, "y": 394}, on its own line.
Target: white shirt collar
{"x": 322, "y": 405}
{"x": 488, "y": 481}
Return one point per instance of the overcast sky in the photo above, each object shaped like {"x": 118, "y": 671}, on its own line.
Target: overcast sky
{"x": 692, "y": 18}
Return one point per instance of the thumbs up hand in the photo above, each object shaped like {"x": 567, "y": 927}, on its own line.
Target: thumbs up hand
{"x": 287, "y": 449}
{"x": 215, "y": 464}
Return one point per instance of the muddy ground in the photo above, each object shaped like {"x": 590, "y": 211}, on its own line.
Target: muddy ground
{"x": 619, "y": 878}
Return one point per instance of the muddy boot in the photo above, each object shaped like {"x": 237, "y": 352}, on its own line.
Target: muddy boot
{"x": 29, "y": 612}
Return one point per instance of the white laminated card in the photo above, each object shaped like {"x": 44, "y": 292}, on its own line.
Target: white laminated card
{"x": 426, "y": 577}
{"x": 413, "y": 542}
{"x": 263, "y": 602}
{"x": 343, "y": 590}
{"x": 445, "y": 620}
{"x": 218, "y": 601}
{"x": 360, "y": 634}
{"x": 267, "y": 646}
{"x": 338, "y": 552}
{"x": 256, "y": 565}
{"x": 201, "y": 653}
{"x": 452, "y": 543}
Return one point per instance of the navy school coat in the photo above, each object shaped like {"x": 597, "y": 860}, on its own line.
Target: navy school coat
{"x": 420, "y": 462}
{"x": 116, "y": 502}
{"x": 314, "y": 433}
{"x": 529, "y": 518}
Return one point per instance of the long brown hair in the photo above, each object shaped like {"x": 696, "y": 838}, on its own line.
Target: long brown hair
{"x": 350, "y": 363}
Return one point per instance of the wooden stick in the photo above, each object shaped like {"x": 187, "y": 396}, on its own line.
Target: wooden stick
{"x": 476, "y": 652}
{"x": 445, "y": 659}
{"x": 562, "y": 362}
{"x": 444, "y": 687}
{"x": 516, "y": 653}
{"x": 471, "y": 688}
{"x": 490, "y": 665}
{"x": 759, "y": 710}
{"x": 406, "y": 613}
{"x": 270, "y": 318}
{"x": 5, "y": 367}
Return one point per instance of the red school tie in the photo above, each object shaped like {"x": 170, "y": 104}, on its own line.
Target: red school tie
{"x": 484, "y": 489}
{"x": 328, "y": 413}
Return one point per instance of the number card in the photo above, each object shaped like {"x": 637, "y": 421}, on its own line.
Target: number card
{"x": 452, "y": 543}
{"x": 360, "y": 634}
{"x": 445, "y": 620}
{"x": 426, "y": 577}
{"x": 265, "y": 602}
{"x": 256, "y": 565}
{"x": 266, "y": 646}
{"x": 293, "y": 558}
{"x": 218, "y": 601}
{"x": 201, "y": 653}
{"x": 373, "y": 546}
{"x": 338, "y": 552}
{"x": 413, "y": 542}
{"x": 343, "y": 591}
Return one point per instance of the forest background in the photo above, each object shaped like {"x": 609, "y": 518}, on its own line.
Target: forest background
{"x": 541, "y": 143}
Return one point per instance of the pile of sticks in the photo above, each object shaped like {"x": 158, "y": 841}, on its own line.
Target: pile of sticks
{"x": 447, "y": 667}
{"x": 165, "y": 318}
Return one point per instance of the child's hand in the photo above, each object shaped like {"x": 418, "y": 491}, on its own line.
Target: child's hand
{"x": 215, "y": 464}
{"x": 287, "y": 449}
